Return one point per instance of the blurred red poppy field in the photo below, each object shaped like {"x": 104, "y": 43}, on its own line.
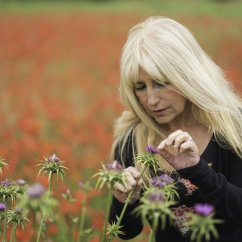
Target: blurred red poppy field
{"x": 59, "y": 75}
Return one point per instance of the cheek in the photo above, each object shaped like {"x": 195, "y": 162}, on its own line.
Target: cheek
{"x": 140, "y": 98}
{"x": 181, "y": 104}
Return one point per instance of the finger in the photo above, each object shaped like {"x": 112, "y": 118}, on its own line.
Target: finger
{"x": 181, "y": 138}
{"x": 189, "y": 144}
{"x": 171, "y": 138}
{"x": 162, "y": 144}
{"x": 120, "y": 188}
{"x": 135, "y": 173}
{"x": 130, "y": 179}
{"x": 140, "y": 182}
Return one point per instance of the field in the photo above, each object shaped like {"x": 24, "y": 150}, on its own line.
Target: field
{"x": 59, "y": 75}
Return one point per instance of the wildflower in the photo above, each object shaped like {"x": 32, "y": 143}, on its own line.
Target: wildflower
{"x": 167, "y": 184}
{"x": 110, "y": 174}
{"x": 148, "y": 159}
{"x": 155, "y": 207}
{"x": 204, "y": 209}
{"x": 16, "y": 216}
{"x": 114, "y": 166}
{"x": 161, "y": 181}
{"x": 202, "y": 223}
{"x": 35, "y": 191}
{"x": 37, "y": 199}
{"x": 20, "y": 182}
{"x": 53, "y": 158}
{"x": 5, "y": 183}
{"x": 156, "y": 197}
{"x": 8, "y": 190}
{"x": 2, "y": 207}
{"x": 51, "y": 165}
{"x": 151, "y": 149}
{"x": 2, "y": 211}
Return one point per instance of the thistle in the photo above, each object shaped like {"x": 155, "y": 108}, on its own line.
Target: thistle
{"x": 36, "y": 199}
{"x": 8, "y": 191}
{"x": 154, "y": 207}
{"x": 51, "y": 165}
{"x": 202, "y": 223}
{"x": 109, "y": 175}
{"x": 168, "y": 186}
{"x": 2, "y": 210}
{"x": 148, "y": 158}
{"x": 16, "y": 217}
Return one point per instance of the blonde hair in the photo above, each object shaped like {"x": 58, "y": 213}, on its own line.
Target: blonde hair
{"x": 166, "y": 50}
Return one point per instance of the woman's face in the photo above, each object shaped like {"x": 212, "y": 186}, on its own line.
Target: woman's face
{"x": 159, "y": 100}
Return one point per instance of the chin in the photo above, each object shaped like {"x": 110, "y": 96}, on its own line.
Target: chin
{"x": 164, "y": 120}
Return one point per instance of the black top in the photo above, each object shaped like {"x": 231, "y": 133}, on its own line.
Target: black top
{"x": 216, "y": 180}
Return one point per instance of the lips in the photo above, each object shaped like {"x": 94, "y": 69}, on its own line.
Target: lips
{"x": 160, "y": 112}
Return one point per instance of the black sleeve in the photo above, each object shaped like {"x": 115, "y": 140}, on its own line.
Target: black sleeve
{"x": 131, "y": 224}
{"x": 222, "y": 188}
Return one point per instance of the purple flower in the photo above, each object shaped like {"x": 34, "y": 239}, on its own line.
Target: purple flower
{"x": 5, "y": 183}
{"x": 151, "y": 149}
{"x": 157, "y": 182}
{"x": 2, "y": 207}
{"x": 53, "y": 159}
{"x": 203, "y": 209}
{"x": 114, "y": 166}
{"x": 161, "y": 181}
{"x": 156, "y": 197}
{"x": 35, "y": 191}
{"x": 21, "y": 182}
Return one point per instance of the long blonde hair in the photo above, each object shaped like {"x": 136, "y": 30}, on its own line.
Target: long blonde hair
{"x": 166, "y": 50}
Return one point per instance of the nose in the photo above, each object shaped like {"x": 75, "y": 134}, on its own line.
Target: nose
{"x": 152, "y": 96}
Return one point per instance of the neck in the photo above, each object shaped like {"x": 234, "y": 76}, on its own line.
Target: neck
{"x": 185, "y": 121}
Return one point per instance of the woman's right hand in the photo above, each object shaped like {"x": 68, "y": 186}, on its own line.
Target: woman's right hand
{"x": 133, "y": 181}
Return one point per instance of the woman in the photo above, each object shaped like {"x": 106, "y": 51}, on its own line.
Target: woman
{"x": 178, "y": 100}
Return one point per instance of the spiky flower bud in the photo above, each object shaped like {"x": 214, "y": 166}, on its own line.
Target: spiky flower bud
{"x": 8, "y": 190}
{"x": 52, "y": 165}
{"x": 110, "y": 174}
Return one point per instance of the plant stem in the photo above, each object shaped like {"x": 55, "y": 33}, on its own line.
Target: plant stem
{"x": 44, "y": 212}
{"x": 5, "y": 222}
{"x": 13, "y": 234}
{"x": 152, "y": 235}
{"x": 125, "y": 206}
{"x": 127, "y": 202}
{"x": 110, "y": 196}
{"x": 82, "y": 219}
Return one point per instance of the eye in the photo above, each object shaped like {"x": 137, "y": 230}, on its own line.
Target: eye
{"x": 160, "y": 84}
{"x": 139, "y": 86}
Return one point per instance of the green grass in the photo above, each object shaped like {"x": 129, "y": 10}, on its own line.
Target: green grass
{"x": 223, "y": 8}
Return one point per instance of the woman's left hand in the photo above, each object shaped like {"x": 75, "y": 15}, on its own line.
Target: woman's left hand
{"x": 179, "y": 150}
